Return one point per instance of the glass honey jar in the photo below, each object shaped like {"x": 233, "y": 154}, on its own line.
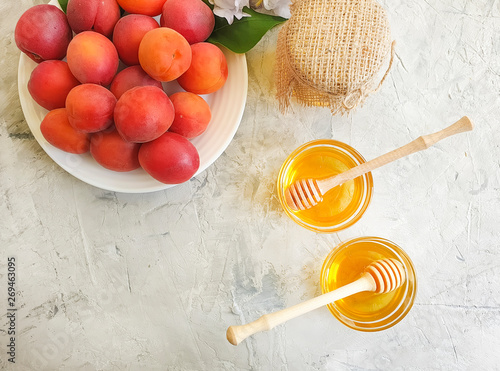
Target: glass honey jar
{"x": 367, "y": 311}
{"x": 342, "y": 206}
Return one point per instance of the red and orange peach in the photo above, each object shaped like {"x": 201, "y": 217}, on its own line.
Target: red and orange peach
{"x": 146, "y": 7}
{"x": 56, "y": 129}
{"x": 129, "y": 78}
{"x": 92, "y": 58}
{"x": 193, "y": 19}
{"x": 90, "y": 107}
{"x": 170, "y": 159}
{"x": 143, "y": 114}
{"x": 164, "y": 54}
{"x": 93, "y": 15}
{"x": 192, "y": 114}
{"x": 50, "y": 82}
{"x": 43, "y": 33}
{"x": 208, "y": 70}
{"x": 128, "y": 34}
{"x": 113, "y": 152}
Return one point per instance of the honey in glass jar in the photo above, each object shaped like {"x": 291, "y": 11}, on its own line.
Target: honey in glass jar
{"x": 343, "y": 205}
{"x": 367, "y": 311}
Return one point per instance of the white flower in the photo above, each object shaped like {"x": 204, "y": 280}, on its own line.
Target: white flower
{"x": 278, "y": 7}
{"x": 231, "y": 9}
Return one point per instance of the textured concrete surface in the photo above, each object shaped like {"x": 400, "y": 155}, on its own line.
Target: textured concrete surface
{"x": 109, "y": 281}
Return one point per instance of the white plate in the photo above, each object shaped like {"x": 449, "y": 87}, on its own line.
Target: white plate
{"x": 227, "y": 106}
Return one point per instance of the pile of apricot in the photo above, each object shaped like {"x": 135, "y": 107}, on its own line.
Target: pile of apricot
{"x": 100, "y": 74}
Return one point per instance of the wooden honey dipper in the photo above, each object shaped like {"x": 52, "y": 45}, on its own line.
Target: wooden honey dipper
{"x": 381, "y": 276}
{"x": 306, "y": 193}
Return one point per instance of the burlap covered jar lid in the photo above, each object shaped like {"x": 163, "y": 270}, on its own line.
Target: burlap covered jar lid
{"x": 330, "y": 53}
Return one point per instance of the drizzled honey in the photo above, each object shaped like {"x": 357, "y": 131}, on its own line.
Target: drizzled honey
{"x": 341, "y": 206}
{"x": 367, "y": 311}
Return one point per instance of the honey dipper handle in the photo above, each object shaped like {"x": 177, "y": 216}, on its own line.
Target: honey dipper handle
{"x": 419, "y": 144}
{"x": 236, "y": 334}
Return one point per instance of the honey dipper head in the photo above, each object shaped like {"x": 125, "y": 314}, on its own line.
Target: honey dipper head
{"x": 303, "y": 194}
{"x": 290, "y": 200}
{"x": 388, "y": 274}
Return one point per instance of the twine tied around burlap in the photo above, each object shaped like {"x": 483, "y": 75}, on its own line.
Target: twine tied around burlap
{"x": 330, "y": 52}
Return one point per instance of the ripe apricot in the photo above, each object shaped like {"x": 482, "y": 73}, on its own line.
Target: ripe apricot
{"x": 193, "y": 19}
{"x": 192, "y": 114}
{"x": 170, "y": 159}
{"x": 143, "y": 114}
{"x": 96, "y": 15}
{"x": 50, "y": 82}
{"x": 113, "y": 152}
{"x": 128, "y": 33}
{"x": 164, "y": 54}
{"x": 43, "y": 33}
{"x": 90, "y": 107}
{"x": 207, "y": 72}
{"x": 129, "y": 78}
{"x": 146, "y": 7}
{"x": 92, "y": 58}
{"x": 56, "y": 129}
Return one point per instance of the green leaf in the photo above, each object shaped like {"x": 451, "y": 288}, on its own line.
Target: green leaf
{"x": 243, "y": 34}
{"x": 64, "y": 4}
